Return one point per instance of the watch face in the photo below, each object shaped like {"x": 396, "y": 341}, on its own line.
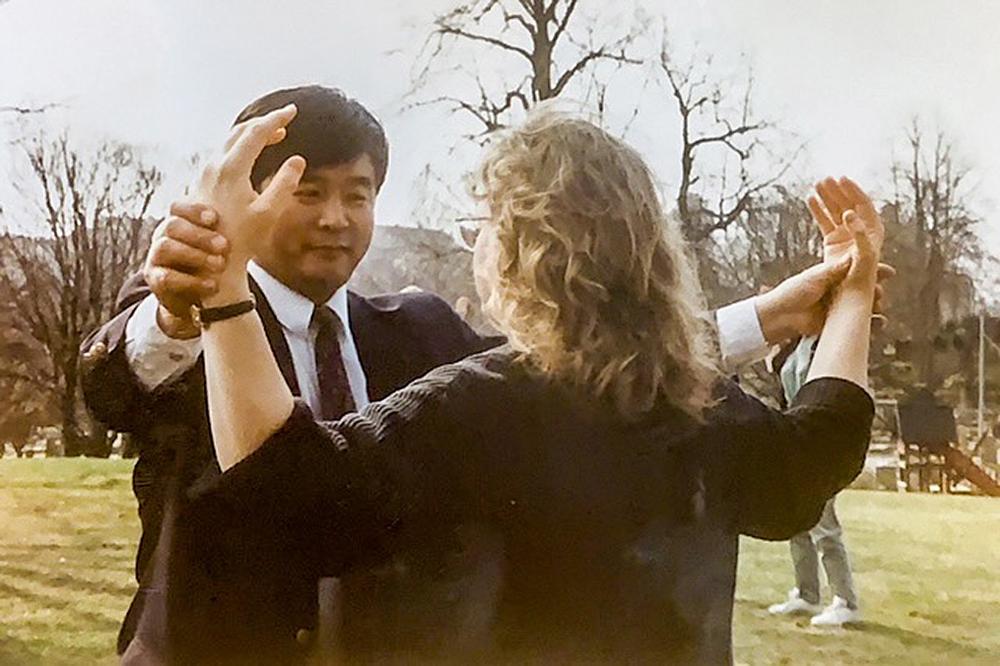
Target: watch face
{"x": 196, "y": 316}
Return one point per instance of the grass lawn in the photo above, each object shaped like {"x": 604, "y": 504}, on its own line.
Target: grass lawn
{"x": 926, "y": 567}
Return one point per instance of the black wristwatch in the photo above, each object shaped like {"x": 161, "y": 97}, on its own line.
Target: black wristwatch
{"x": 204, "y": 317}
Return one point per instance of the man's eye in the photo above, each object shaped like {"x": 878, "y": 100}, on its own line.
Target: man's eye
{"x": 307, "y": 194}
{"x": 357, "y": 198}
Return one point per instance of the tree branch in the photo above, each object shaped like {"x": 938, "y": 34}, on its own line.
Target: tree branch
{"x": 564, "y": 21}
{"x": 486, "y": 39}
{"x": 28, "y": 110}
{"x": 725, "y": 137}
{"x": 600, "y": 54}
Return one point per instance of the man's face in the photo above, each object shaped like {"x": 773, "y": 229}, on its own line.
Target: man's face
{"x": 319, "y": 240}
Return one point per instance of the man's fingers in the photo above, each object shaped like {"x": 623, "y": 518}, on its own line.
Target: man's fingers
{"x": 170, "y": 253}
{"x": 284, "y": 183}
{"x": 188, "y": 233}
{"x": 194, "y": 212}
{"x": 257, "y": 135}
{"x": 166, "y": 282}
{"x": 819, "y": 214}
{"x": 884, "y": 272}
{"x": 838, "y": 270}
{"x": 826, "y": 274}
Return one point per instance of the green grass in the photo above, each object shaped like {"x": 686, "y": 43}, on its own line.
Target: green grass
{"x": 926, "y": 571}
{"x": 68, "y": 530}
{"x": 925, "y": 566}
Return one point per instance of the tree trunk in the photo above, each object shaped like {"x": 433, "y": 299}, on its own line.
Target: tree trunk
{"x": 73, "y": 443}
{"x": 683, "y": 209}
{"x": 130, "y": 448}
{"x": 929, "y": 304}
{"x": 542, "y": 57}
{"x": 99, "y": 443}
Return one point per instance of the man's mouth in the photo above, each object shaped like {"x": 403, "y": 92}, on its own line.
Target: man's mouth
{"x": 327, "y": 248}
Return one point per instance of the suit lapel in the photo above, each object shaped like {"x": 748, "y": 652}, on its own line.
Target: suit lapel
{"x": 276, "y": 338}
{"x": 363, "y": 329}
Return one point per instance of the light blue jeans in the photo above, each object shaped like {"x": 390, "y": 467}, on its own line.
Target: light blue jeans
{"x": 825, "y": 539}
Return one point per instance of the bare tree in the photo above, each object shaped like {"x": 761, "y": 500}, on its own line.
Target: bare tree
{"x": 27, "y": 402}
{"x": 938, "y": 241}
{"x": 496, "y": 59}
{"x": 775, "y": 238}
{"x": 546, "y": 46}
{"x": 717, "y": 119}
{"x": 62, "y": 270}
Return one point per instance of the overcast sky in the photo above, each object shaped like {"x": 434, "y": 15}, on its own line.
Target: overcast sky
{"x": 169, "y": 75}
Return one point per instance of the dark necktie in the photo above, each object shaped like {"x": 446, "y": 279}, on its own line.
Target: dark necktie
{"x": 334, "y": 390}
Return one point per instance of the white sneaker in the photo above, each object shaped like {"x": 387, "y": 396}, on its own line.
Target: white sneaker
{"x": 836, "y": 614}
{"x": 795, "y": 605}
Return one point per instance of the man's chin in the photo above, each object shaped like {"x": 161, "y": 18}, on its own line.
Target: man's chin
{"x": 333, "y": 273}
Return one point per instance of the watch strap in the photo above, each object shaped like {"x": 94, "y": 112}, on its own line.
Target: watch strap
{"x": 203, "y": 317}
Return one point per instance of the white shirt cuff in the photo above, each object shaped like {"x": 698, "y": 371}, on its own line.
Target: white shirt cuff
{"x": 154, "y": 357}
{"x": 741, "y": 338}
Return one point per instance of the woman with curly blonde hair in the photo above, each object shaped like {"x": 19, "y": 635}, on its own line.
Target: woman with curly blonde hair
{"x": 587, "y": 276}
{"x": 612, "y": 464}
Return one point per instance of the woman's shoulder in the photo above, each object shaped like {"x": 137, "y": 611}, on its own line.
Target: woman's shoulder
{"x": 491, "y": 370}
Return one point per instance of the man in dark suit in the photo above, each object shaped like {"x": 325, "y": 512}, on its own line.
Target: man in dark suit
{"x": 338, "y": 350}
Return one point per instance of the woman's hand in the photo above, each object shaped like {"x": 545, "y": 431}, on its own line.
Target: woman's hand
{"x": 245, "y": 217}
{"x": 851, "y": 229}
{"x": 835, "y": 200}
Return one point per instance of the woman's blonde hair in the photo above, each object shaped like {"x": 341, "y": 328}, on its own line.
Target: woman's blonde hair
{"x": 592, "y": 280}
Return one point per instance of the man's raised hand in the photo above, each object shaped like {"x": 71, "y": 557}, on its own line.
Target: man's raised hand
{"x": 182, "y": 265}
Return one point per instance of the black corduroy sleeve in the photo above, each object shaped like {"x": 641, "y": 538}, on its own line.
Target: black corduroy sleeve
{"x": 789, "y": 463}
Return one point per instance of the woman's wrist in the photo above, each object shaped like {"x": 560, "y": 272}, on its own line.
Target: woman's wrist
{"x": 233, "y": 285}
{"x": 845, "y": 341}
{"x": 855, "y": 292}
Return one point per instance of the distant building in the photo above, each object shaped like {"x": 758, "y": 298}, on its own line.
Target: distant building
{"x": 408, "y": 258}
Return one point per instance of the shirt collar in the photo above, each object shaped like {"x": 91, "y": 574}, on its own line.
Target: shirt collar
{"x": 292, "y": 309}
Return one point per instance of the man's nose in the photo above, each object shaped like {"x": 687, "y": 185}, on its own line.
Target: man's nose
{"x": 333, "y": 215}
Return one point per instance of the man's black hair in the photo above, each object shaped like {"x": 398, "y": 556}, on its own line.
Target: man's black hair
{"x": 329, "y": 129}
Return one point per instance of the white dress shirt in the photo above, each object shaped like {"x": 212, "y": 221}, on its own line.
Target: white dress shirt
{"x": 156, "y": 358}
{"x": 741, "y": 339}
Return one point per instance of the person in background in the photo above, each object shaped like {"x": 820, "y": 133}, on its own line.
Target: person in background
{"x": 825, "y": 540}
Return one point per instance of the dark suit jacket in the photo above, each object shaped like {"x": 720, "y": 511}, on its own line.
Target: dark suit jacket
{"x": 399, "y": 338}
{"x": 619, "y": 539}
